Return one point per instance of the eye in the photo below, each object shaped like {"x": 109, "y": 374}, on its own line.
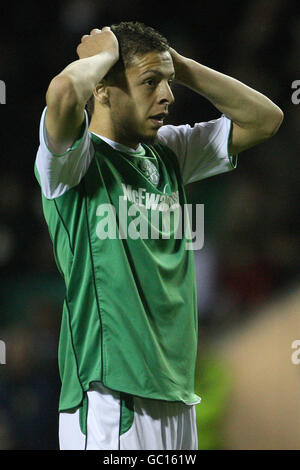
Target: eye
{"x": 149, "y": 82}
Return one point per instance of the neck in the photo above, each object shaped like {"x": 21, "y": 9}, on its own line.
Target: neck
{"x": 104, "y": 126}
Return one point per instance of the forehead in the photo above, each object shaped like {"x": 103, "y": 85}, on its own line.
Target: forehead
{"x": 152, "y": 61}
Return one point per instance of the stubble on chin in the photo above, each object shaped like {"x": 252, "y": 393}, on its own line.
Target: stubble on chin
{"x": 149, "y": 139}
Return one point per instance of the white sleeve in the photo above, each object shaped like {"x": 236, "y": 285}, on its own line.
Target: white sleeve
{"x": 60, "y": 172}
{"x": 202, "y": 150}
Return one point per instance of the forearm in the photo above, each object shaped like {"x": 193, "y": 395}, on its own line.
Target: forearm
{"x": 83, "y": 75}
{"x": 243, "y": 105}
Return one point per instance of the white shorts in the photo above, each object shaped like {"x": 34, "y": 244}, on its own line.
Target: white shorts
{"x": 110, "y": 420}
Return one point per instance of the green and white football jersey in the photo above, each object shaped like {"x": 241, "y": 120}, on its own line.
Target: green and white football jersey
{"x": 130, "y": 311}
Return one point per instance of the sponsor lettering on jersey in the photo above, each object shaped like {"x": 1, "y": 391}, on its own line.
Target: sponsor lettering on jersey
{"x": 152, "y": 201}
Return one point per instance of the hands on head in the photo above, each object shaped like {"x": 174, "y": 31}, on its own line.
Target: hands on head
{"x": 98, "y": 41}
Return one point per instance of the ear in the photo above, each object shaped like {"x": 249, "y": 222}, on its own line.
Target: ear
{"x": 101, "y": 93}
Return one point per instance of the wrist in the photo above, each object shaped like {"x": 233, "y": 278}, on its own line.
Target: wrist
{"x": 182, "y": 66}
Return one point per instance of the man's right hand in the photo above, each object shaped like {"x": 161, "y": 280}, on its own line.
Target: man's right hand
{"x": 99, "y": 40}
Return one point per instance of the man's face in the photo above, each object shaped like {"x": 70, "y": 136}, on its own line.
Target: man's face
{"x": 141, "y": 101}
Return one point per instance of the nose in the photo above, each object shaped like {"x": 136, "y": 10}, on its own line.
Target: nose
{"x": 165, "y": 95}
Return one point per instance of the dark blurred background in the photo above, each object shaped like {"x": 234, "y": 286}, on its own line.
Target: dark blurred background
{"x": 250, "y": 260}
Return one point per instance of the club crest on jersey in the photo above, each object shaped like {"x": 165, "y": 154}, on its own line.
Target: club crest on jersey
{"x": 149, "y": 170}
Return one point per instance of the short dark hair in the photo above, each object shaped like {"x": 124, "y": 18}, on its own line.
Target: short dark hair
{"x": 134, "y": 39}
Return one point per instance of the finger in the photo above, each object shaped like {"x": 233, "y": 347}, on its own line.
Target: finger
{"x": 106, "y": 28}
{"x": 95, "y": 31}
{"x": 84, "y": 37}
{"x": 78, "y": 50}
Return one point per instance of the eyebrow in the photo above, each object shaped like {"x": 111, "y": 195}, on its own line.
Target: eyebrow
{"x": 156, "y": 72}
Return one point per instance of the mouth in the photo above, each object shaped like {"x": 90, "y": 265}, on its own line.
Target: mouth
{"x": 158, "y": 119}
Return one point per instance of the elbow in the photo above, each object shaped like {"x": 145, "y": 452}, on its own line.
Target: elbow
{"x": 278, "y": 118}
{"x": 61, "y": 93}
{"x": 273, "y": 122}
